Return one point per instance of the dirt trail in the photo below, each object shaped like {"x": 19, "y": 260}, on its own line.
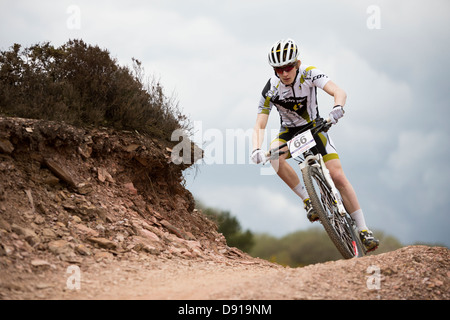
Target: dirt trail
{"x": 417, "y": 272}
{"x": 409, "y": 273}
{"x": 97, "y": 214}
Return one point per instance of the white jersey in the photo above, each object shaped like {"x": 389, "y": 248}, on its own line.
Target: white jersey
{"x": 297, "y": 103}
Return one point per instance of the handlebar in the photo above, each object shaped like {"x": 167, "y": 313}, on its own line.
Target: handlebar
{"x": 316, "y": 126}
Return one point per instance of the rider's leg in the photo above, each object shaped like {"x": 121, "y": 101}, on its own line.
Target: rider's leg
{"x": 351, "y": 203}
{"x": 287, "y": 173}
{"x": 290, "y": 177}
{"x": 347, "y": 192}
{"x": 343, "y": 185}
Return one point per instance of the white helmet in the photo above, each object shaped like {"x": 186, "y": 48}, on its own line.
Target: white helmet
{"x": 283, "y": 52}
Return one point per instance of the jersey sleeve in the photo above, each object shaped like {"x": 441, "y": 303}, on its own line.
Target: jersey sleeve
{"x": 265, "y": 103}
{"x": 315, "y": 77}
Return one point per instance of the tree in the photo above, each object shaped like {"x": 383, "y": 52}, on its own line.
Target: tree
{"x": 230, "y": 227}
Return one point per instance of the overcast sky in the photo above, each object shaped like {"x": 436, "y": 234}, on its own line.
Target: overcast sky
{"x": 391, "y": 57}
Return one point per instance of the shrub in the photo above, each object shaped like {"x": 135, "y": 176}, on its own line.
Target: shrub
{"x": 82, "y": 85}
{"x": 230, "y": 227}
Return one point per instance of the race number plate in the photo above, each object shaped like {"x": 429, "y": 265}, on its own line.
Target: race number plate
{"x": 301, "y": 143}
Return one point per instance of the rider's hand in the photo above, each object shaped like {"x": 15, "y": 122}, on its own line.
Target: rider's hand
{"x": 258, "y": 156}
{"x": 336, "y": 114}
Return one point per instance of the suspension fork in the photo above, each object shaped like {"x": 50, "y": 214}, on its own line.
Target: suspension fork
{"x": 317, "y": 161}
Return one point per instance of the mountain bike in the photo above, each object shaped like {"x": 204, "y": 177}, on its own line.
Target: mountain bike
{"x": 324, "y": 196}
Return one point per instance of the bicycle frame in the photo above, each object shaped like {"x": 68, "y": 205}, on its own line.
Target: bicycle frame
{"x": 309, "y": 157}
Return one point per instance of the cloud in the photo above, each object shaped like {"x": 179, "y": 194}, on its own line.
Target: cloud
{"x": 420, "y": 159}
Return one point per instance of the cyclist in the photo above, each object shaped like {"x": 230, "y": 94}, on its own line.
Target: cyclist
{"x": 293, "y": 91}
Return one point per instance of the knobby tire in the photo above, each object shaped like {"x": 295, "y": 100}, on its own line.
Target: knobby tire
{"x": 337, "y": 226}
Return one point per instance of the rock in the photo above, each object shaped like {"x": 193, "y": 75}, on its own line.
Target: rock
{"x": 6, "y": 250}
{"x": 83, "y": 250}
{"x": 9, "y": 285}
{"x": 31, "y": 200}
{"x": 48, "y": 233}
{"x": 2, "y": 250}
{"x": 86, "y": 230}
{"x": 129, "y": 187}
{"x": 139, "y": 243}
{"x": 6, "y": 146}
{"x": 76, "y": 219}
{"x": 71, "y": 258}
{"x": 132, "y": 147}
{"x": 95, "y": 212}
{"x": 39, "y": 219}
{"x": 43, "y": 286}
{"x": 174, "y": 230}
{"x": 29, "y": 235}
{"x": 154, "y": 213}
{"x": 42, "y": 264}
{"x": 86, "y": 211}
{"x": 58, "y": 247}
{"x": 51, "y": 180}
{"x": 85, "y": 151}
{"x": 63, "y": 250}
{"x": 102, "y": 255}
{"x": 5, "y": 225}
{"x": 84, "y": 188}
{"x": 104, "y": 175}
{"x": 142, "y": 160}
{"x": 148, "y": 234}
{"x": 103, "y": 243}
{"x": 60, "y": 172}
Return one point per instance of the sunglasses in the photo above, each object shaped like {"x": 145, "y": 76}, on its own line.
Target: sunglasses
{"x": 287, "y": 68}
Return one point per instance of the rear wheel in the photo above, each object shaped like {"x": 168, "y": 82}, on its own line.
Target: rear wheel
{"x": 340, "y": 228}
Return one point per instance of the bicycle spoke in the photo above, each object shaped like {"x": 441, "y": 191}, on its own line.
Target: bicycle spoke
{"x": 333, "y": 221}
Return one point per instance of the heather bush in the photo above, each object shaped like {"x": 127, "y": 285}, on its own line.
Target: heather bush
{"x": 82, "y": 85}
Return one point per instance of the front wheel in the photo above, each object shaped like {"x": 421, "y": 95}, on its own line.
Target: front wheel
{"x": 340, "y": 228}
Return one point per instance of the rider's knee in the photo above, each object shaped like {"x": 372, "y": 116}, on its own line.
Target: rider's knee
{"x": 280, "y": 162}
{"x": 339, "y": 179}
{"x": 279, "y": 165}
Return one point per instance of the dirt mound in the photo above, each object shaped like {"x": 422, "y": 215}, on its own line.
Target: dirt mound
{"x": 75, "y": 196}
{"x": 99, "y": 214}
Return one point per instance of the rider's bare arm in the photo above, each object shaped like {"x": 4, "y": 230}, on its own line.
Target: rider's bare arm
{"x": 258, "y": 130}
{"x": 333, "y": 90}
